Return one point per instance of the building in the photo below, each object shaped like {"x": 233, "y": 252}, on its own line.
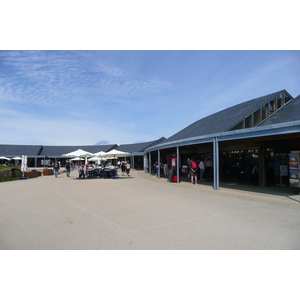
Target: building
{"x": 37, "y": 154}
{"x": 137, "y": 152}
{"x": 260, "y": 131}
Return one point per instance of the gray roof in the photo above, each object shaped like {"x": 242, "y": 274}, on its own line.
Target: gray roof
{"x": 139, "y": 147}
{"x": 54, "y": 151}
{"x": 223, "y": 120}
{"x": 19, "y": 150}
{"x": 59, "y": 150}
{"x": 289, "y": 112}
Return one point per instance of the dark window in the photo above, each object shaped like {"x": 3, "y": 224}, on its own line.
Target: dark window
{"x": 248, "y": 122}
{"x": 257, "y": 117}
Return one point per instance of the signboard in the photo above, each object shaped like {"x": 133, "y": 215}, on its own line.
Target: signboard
{"x": 294, "y": 169}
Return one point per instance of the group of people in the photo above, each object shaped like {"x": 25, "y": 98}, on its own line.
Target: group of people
{"x": 200, "y": 168}
{"x": 124, "y": 166}
{"x": 57, "y": 166}
{"x": 163, "y": 165}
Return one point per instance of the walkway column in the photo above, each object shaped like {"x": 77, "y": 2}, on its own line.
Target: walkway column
{"x": 216, "y": 163}
{"x": 177, "y": 171}
{"x": 158, "y": 163}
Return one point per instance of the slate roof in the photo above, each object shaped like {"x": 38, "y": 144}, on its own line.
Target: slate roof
{"x": 38, "y": 150}
{"x": 289, "y": 112}
{"x": 139, "y": 147}
{"x": 19, "y": 150}
{"x": 59, "y": 150}
{"x": 223, "y": 120}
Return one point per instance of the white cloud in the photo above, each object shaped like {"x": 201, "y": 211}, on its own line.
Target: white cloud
{"x": 47, "y": 78}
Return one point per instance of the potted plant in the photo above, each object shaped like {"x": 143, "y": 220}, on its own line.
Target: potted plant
{"x": 47, "y": 172}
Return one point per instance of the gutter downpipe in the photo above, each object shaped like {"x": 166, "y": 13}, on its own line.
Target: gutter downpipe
{"x": 177, "y": 171}
{"x": 216, "y": 163}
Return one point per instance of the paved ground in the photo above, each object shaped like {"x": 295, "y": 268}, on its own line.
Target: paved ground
{"x": 143, "y": 212}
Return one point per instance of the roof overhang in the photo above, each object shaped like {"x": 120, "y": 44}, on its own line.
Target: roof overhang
{"x": 275, "y": 129}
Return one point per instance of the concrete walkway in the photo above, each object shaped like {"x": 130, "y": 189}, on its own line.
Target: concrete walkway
{"x": 143, "y": 212}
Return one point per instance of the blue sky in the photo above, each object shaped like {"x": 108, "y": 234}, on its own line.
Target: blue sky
{"x": 86, "y": 97}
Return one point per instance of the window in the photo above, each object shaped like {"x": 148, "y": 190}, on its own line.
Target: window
{"x": 257, "y": 117}
{"x": 248, "y": 122}
{"x": 238, "y": 126}
{"x": 264, "y": 112}
{"x": 280, "y": 100}
{"x": 272, "y": 106}
{"x": 286, "y": 98}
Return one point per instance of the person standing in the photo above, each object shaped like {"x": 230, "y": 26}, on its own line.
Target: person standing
{"x": 123, "y": 167}
{"x": 68, "y": 168}
{"x": 56, "y": 168}
{"x": 127, "y": 168}
{"x": 165, "y": 167}
{"x": 254, "y": 174}
{"x": 193, "y": 171}
{"x": 202, "y": 169}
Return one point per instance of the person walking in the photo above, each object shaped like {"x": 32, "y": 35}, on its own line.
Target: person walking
{"x": 56, "y": 167}
{"x": 68, "y": 168}
{"x": 127, "y": 168}
{"x": 123, "y": 167}
{"x": 193, "y": 171}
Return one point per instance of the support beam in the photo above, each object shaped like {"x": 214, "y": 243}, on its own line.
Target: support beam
{"x": 158, "y": 163}
{"x": 216, "y": 163}
{"x": 177, "y": 171}
{"x": 145, "y": 162}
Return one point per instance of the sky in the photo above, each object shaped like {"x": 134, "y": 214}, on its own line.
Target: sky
{"x": 129, "y": 96}
{"x": 122, "y": 72}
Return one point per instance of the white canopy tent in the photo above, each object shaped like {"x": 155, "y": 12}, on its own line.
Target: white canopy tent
{"x": 116, "y": 153}
{"x": 5, "y": 158}
{"x": 77, "y": 158}
{"x": 79, "y": 153}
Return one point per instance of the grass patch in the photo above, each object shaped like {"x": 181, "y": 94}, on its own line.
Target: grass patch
{"x": 5, "y": 167}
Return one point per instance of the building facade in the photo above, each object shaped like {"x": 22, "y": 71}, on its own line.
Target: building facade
{"x": 262, "y": 132}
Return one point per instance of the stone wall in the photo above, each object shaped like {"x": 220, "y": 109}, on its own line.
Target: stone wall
{"x": 10, "y": 173}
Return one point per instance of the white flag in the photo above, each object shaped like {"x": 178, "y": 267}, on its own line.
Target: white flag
{"x": 24, "y": 163}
